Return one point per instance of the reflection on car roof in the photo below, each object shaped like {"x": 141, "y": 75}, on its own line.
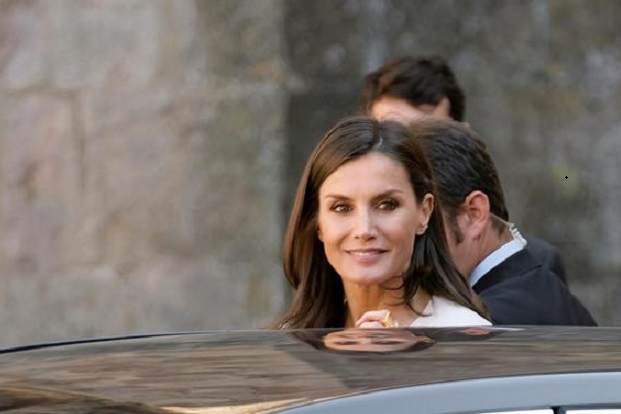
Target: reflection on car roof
{"x": 268, "y": 370}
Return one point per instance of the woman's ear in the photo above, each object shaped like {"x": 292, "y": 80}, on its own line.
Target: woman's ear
{"x": 319, "y": 234}
{"x": 426, "y": 209}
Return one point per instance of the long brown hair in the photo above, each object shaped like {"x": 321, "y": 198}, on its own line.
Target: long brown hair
{"x": 319, "y": 294}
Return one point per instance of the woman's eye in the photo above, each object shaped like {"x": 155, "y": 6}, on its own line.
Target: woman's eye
{"x": 340, "y": 208}
{"x": 388, "y": 205}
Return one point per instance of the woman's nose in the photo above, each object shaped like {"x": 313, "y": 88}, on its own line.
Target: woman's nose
{"x": 365, "y": 227}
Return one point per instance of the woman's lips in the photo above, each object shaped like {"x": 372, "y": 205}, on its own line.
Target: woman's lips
{"x": 366, "y": 256}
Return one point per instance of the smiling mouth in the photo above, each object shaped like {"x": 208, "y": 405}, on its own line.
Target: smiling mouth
{"x": 366, "y": 253}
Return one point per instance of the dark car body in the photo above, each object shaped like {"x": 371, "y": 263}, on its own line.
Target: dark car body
{"x": 549, "y": 368}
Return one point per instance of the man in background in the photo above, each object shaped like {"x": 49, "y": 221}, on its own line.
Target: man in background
{"x": 410, "y": 88}
{"x": 485, "y": 247}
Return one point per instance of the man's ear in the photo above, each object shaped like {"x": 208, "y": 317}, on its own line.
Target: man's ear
{"x": 442, "y": 110}
{"x": 477, "y": 209}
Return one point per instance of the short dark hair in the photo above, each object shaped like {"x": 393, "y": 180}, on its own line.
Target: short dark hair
{"x": 417, "y": 80}
{"x": 461, "y": 164}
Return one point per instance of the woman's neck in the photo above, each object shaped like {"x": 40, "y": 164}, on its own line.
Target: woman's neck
{"x": 361, "y": 299}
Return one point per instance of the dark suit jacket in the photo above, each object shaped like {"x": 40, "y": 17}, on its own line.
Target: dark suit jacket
{"x": 547, "y": 255}
{"x": 520, "y": 291}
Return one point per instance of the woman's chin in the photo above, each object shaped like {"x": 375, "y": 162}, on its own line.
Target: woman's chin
{"x": 367, "y": 280}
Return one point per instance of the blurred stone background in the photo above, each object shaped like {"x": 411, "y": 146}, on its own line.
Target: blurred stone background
{"x": 149, "y": 150}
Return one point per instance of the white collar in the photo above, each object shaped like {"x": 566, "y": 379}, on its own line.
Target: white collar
{"x": 497, "y": 256}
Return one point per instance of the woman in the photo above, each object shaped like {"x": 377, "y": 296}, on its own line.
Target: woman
{"x": 364, "y": 246}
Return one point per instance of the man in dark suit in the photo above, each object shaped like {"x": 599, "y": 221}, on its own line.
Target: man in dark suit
{"x": 409, "y": 88}
{"x": 485, "y": 247}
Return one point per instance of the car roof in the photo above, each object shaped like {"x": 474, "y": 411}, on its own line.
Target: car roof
{"x": 263, "y": 371}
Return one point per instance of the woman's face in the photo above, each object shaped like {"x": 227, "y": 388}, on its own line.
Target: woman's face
{"x": 368, "y": 219}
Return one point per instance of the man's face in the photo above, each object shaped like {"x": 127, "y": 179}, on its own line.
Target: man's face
{"x": 400, "y": 110}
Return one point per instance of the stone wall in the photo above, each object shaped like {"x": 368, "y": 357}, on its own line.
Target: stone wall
{"x": 141, "y": 149}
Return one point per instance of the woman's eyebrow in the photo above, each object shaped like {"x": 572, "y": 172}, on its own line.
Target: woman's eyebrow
{"x": 336, "y": 196}
{"x": 388, "y": 193}
{"x": 382, "y": 194}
